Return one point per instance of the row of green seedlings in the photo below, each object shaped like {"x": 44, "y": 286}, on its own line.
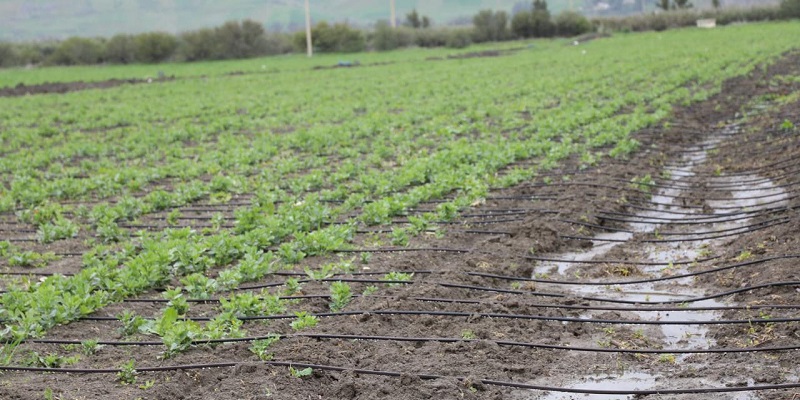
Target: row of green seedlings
{"x": 180, "y": 334}
{"x": 17, "y": 257}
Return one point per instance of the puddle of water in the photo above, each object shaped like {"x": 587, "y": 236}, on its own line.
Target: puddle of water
{"x": 626, "y": 381}
{"x": 674, "y": 336}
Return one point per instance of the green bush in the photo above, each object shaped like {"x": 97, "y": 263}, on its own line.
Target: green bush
{"x": 790, "y": 8}
{"x": 570, "y": 23}
{"x": 337, "y": 38}
{"x": 240, "y": 40}
{"x": 8, "y": 55}
{"x": 155, "y": 47}
{"x": 521, "y": 25}
{"x": 459, "y": 38}
{"x": 198, "y": 45}
{"x": 490, "y": 26}
{"x": 431, "y": 37}
{"x": 77, "y": 51}
{"x": 387, "y": 38}
{"x": 121, "y": 49}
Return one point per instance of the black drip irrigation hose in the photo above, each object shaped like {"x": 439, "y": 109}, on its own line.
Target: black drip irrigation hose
{"x": 621, "y": 301}
{"x": 395, "y": 374}
{"x": 611, "y": 229}
{"x": 619, "y": 262}
{"x": 639, "y": 281}
{"x": 471, "y": 315}
{"x": 749, "y": 230}
{"x": 684, "y": 181}
{"x": 324, "y": 336}
{"x": 732, "y": 188}
{"x": 701, "y": 220}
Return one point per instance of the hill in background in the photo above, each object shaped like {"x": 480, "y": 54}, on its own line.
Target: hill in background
{"x": 24, "y": 20}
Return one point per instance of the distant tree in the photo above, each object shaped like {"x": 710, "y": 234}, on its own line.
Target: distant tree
{"x": 571, "y": 23}
{"x": 521, "y": 24}
{"x": 121, "y": 49}
{"x": 386, "y": 38}
{"x": 682, "y": 4}
{"x": 541, "y": 23}
{"x": 240, "y": 40}
{"x": 490, "y": 26}
{"x": 8, "y": 55}
{"x": 715, "y": 3}
{"x": 198, "y": 45}
{"x": 155, "y": 47}
{"x": 426, "y": 22}
{"x": 663, "y": 4}
{"x": 790, "y": 8}
{"x": 76, "y": 51}
{"x": 413, "y": 19}
{"x": 337, "y": 38}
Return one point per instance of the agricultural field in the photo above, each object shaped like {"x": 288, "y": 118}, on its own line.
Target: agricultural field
{"x": 615, "y": 218}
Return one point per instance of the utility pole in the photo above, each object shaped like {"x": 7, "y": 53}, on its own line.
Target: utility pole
{"x": 394, "y": 14}
{"x": 309, "y": 49}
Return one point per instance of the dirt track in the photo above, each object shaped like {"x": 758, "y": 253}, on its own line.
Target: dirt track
{"x": 504, "y": 298}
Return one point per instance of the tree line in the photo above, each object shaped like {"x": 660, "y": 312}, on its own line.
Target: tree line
{"x": 245, "y": 39}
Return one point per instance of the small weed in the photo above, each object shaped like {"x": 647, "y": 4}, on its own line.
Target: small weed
{"x": 300, "y": 373}
{"x": 148, "y": 384}
{"x": 397, "y": 277}
{"x": 261, "y": 347}
{"x": 667, "y": 358}
{"x": 365, "y": 257}
{"x": 744, "y": 256}
{"x": 468, "y": 334}
{"x": 127, "y": 373}
{"x": 340, "y": 296}
{"x": 89, "y": 347}
{"x": 369, "y": 290}
{"x": 304, "y": 320}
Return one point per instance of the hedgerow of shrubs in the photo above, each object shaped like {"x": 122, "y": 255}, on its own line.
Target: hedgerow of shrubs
{"x": 234, "y": 40}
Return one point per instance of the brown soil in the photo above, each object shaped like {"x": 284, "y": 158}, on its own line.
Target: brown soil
{"x": 66, "y": 87}
{"x": 479, "y": 314}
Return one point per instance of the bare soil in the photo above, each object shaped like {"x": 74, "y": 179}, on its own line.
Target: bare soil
{"x": 65, "y": 87}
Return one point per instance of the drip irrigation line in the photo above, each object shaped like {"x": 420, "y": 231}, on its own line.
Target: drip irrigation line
{"x": 395, "y": 374}
{"x": 34, "y": 273}
{"x": 702, "y": 214}
{"x": 470, "y": 315}
{"x": 469, "y": 231}
{"x": 639, "y": 281}
{"x": 611, "y": 216}
{"x": 509, "y": 343}
{"x": 728, "y": 189}
{"x": 770, "y": 166}
{"x": 685, "y": 183}
{"x": 784, "y": 219}
{"x": 398, "y": 250}
{"x": 595, "y": 226}
{"x": 478, "y": 302}
{"x": 699, "y": 239}
{"x": 619, "y": 262}
{"x": 622, "y": 301}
